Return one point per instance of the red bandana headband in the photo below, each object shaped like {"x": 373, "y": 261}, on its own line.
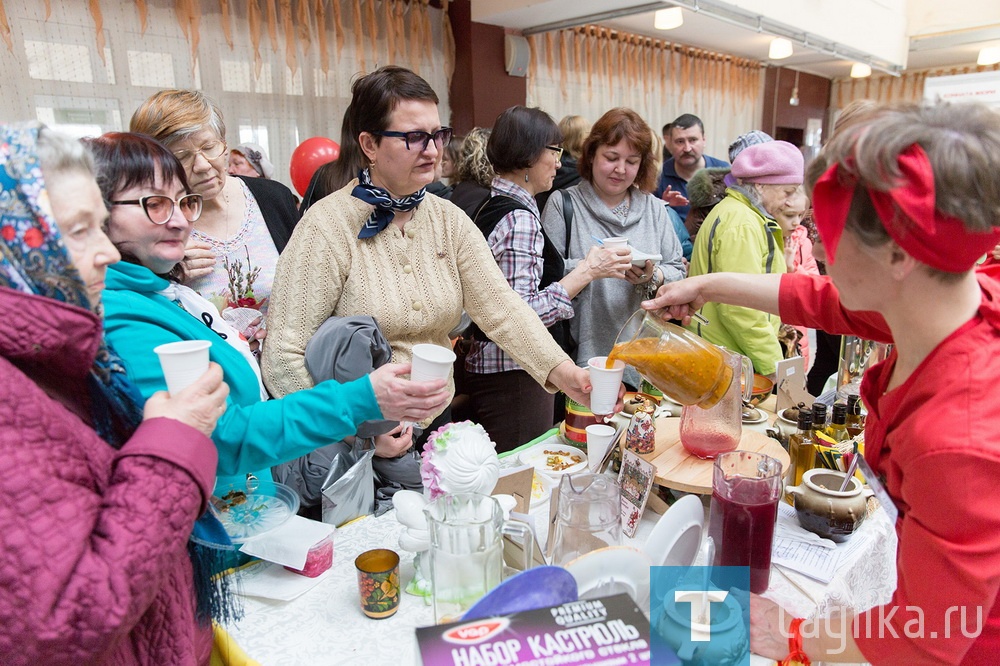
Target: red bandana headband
{"x": 908, "y": 213}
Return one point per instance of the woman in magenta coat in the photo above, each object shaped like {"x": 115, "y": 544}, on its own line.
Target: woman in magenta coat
{"x": 99, "y": 496}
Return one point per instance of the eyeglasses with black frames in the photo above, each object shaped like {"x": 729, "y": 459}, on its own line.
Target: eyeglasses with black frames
{"x": 558, "y": 150}
{"x": 441, "y": 138}
{"x": 210, "y": 151}
{"x": 160, "y": 208}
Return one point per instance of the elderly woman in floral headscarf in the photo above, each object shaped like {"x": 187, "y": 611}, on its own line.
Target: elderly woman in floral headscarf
{"x": 100, "y": 495}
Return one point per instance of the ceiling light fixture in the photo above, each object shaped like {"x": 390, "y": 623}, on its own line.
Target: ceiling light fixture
{"x": 780, "y": 48}
{"x": 860, "y": 70}
{"x": 794, "y": 101}
{"x": 989, "y": 55}
{"x": 668, "y": 19}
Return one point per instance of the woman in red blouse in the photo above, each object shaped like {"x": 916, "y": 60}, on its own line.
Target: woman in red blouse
{"x": 906, "y": 204}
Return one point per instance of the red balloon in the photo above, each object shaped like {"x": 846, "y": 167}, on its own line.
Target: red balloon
{"x": 310, "y": 155}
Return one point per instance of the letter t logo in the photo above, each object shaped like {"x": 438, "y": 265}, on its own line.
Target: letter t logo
{"x": 694, "y": 597}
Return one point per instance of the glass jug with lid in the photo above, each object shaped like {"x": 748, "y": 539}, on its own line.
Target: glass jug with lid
{"x": 687, "y": 368}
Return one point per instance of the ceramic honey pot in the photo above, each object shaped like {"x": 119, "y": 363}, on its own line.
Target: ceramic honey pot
{"x": 822, "y": 509}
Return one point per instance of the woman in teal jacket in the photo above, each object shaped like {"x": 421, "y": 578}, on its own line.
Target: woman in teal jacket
{"x": 152, "y": 211}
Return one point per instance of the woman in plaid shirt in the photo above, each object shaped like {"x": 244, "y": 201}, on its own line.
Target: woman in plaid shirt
{"x": 524, "y": 150}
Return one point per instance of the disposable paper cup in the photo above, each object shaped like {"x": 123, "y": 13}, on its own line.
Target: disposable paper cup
{"x": 183, "y": 362}
{"x": 606, "y": 383}
{"x": 599, "y": 438}
{"x": 431, "y": 362}
{"x": 615, "y": 242}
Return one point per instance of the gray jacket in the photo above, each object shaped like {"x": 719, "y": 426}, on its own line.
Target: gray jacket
{"x": 604, "y": 306}
{"x": 344, "y": 349}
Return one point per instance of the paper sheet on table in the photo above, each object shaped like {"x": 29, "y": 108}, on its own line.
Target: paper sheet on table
{"x": 272, "y": 581}
{"x": 816, "y": 561}
{"x": 289, "y": 544}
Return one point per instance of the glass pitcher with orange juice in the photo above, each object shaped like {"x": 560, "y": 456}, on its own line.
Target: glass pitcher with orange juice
{"x": 687, "y": 368}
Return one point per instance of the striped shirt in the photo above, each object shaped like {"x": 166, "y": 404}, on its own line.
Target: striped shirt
{"x": 517, "y": 244}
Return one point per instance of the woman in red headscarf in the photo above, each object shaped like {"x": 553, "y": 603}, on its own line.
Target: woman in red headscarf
{"x": 905, "y": 205}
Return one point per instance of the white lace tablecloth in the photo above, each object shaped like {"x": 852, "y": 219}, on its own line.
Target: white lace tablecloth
{"x": 325, "y": 625}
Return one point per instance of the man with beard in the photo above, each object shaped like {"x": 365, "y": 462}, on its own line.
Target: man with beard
{"x": 686, "y": 144}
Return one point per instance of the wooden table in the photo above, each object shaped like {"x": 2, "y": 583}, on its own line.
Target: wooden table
{"x": 679, "y": 470}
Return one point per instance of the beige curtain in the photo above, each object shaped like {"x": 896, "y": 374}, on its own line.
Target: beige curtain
{"x": 588, "y": 70}
{"x": 888, "y": 89}
{"x": 280, "y": 70}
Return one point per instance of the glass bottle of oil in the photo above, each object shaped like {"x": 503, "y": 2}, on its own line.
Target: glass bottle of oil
{"x": 837, "y": 430}
{"x": 818, "y": 417}
{"x": 855, "y": 420}
{"x": 801, "y": 451}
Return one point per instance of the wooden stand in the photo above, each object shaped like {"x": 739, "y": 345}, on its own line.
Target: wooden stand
{"x": 678, "y": 469}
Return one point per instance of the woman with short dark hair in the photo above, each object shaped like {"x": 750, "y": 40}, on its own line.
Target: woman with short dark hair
{"x": 619, "y": 171}
{"x": 379, "y": 247}
{"x": 524, "y": 150}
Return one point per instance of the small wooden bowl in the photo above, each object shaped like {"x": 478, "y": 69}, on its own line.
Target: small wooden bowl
{"x": 762, "y": 387}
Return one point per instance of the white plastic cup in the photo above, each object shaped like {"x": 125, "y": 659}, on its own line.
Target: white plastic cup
{"x": 183, "y": 362}
{"x": 616, "y": 242}
{"x": 599, "y": 438}
{"x": 431, "y": 362}
{"x": 606, "y": 383}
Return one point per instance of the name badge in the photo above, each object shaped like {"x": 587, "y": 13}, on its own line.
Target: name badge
{"x": 878, "y": 489}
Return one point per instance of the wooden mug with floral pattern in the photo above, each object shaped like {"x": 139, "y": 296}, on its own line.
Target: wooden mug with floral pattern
{"x": 378, "y": 582}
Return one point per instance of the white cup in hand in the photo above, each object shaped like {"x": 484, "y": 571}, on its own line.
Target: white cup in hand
{"x": 606, "y": 383}
{"x": 431, "y": 362}
{"x": 183, "y": 362}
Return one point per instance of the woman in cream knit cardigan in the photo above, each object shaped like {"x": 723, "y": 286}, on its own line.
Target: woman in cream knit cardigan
{"x": 381, "y": 247}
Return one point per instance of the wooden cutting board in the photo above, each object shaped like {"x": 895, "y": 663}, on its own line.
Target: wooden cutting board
{"x": 678, "y": 469}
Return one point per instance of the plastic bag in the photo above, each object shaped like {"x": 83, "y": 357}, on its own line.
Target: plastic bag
{"x": 349, "y": 487}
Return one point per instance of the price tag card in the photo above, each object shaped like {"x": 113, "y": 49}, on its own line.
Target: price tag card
{"x": 636, "y": 481}
{"x": 790, "y": 376}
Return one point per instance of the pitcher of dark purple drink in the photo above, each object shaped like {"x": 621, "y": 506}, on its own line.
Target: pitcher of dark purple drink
{"x": 746, "y": 487}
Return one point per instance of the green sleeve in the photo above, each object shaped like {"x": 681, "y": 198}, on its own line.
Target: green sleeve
{"x": 743, "y": 249}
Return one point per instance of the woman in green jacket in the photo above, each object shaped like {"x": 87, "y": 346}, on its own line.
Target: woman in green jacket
{"x": 740, "y": 236}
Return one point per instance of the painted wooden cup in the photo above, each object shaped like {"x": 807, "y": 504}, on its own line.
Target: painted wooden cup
{"x": 378, "y": 582}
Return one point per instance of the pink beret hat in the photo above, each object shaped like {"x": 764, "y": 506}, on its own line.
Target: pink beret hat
{"x": 775, "y": 162}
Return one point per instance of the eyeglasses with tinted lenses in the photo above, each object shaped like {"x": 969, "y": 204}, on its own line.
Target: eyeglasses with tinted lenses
{"x": 159, "y": 208}
{"x": 210, "y": 151}
{"x": 558, "y": 150}
{"x": 441, "y": 138}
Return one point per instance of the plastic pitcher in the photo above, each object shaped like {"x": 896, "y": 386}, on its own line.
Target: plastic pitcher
{"x": 708, "y": 432}
{"x": 466, "y": 553}
{"x": 588, "y": 516}
{"x": 746, "y": 487}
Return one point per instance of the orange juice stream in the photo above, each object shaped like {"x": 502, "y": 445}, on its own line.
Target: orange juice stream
{"x": 689, "y": 376}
